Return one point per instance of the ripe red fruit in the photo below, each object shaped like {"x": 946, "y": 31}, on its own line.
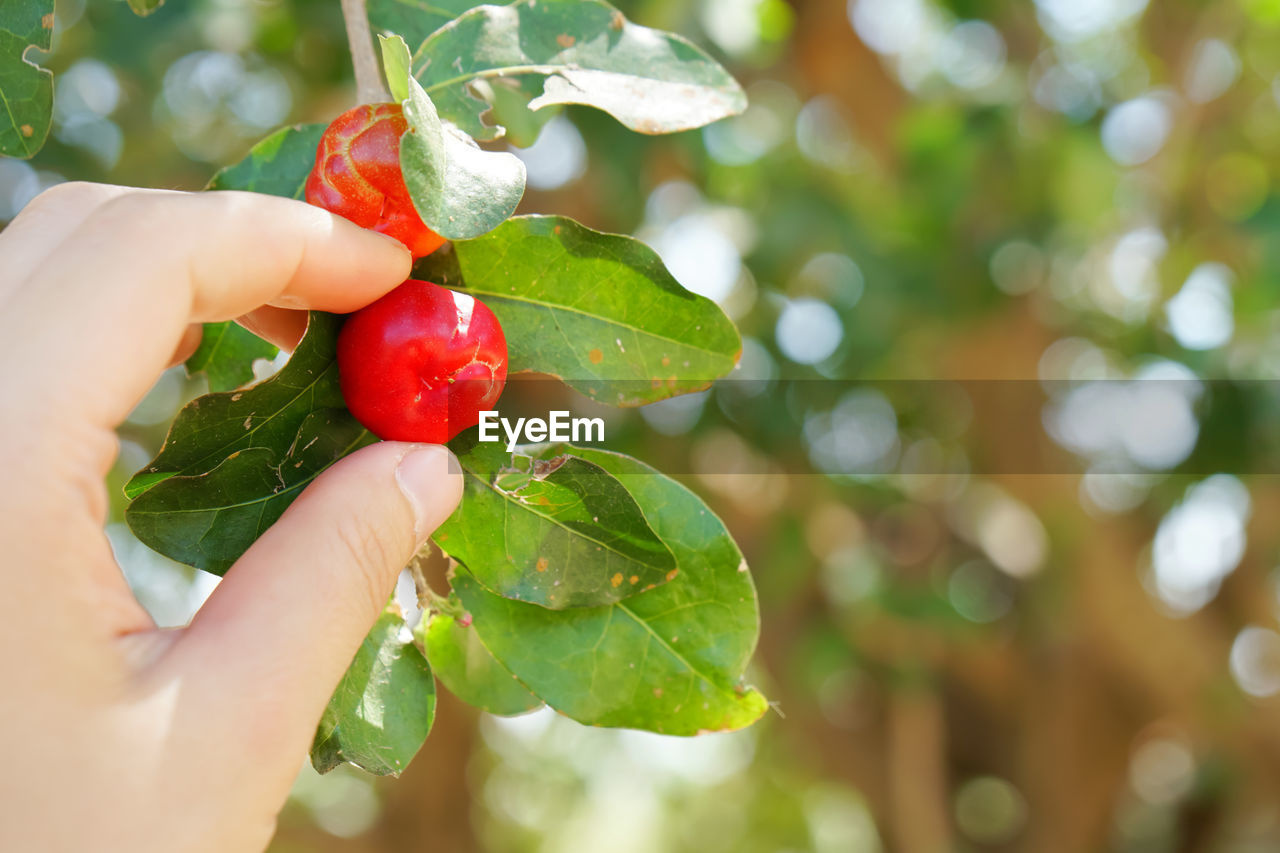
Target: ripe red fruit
{"x": 357, "y": 176}
{"x": 421, "y": 363}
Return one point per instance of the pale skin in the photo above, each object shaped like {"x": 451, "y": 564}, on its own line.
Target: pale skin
{"x": 121, "y": 736}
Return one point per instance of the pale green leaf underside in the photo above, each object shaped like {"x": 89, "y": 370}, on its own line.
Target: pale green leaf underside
{"x": 580, "y": 52}
{"x": 462, "y": 663}
{"x": 382, "y": 710}
{"x": 395, "y": 66}
{"x": 459, "y": 190}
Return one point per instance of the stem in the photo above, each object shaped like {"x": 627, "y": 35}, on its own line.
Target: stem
{"x": 369, "y": 88}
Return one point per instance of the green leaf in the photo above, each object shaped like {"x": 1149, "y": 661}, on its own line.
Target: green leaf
{"x": 233, "y": 462}
{"x": 580, "y": 52}
{"x": 278, "y": 165}
{"x": 556, "y": 530}
{"x": 415, "y": 19}
{"x": 210, "y": 429}
{"x": 209, "y": 520}
{"x": 510, "y": 108}
{"x": 462, "y": 663}
{"x": 142, "y": 8}
{"x": 459, "y": 189}
{"x": 226, "y": 355}
{"x": 26, "y": 89}
{"x": 669, "y": 660}
{"x": 600, "y": 311}
{"x": 395, "y": 66}
{"x": 383, "y": 708}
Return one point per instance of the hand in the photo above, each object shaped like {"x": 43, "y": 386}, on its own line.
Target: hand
{"x": 120, "y": 736}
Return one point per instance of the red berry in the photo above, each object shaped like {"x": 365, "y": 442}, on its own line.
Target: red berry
{"x": 357, "y": 176}
{"x": 421, "y": 363}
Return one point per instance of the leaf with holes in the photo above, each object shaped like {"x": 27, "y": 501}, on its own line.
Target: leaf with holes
{"x": 233, "y": 461}
{"x": 572, "y": 52}
{"x": 268, "y": 415}
{"x": 557, "y": 531}
{"x": 668, "y": 660}
{"x": 209, "y": 520}
{"x": 600, "y": 311}
{"x": 26, "y": 89}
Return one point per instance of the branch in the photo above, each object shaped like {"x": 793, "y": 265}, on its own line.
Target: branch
{"x": 369, "y": 88}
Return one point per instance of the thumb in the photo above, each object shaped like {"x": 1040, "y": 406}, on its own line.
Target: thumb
{"x": 288, "y": 617}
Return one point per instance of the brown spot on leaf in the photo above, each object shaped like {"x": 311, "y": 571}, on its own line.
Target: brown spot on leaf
{"x": 634, "y": 579}
{"x": 671, "y": 575}
{"x": 541, "y": 565}
{"x": 545, "y": 468}
{"x": 657, "y": 691}
{"x": 27, "y": 130}
{"x": 617, "y": 21}
{"x": 565, "y": 40}
{"x": 666, "y": 362}
{"x": 47, "y": 21}
{"x": 616, "y": 580}
{"x": 595, "y": 356}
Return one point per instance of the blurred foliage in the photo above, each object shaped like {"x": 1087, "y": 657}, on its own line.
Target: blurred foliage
{"x": 1006, "y": 608}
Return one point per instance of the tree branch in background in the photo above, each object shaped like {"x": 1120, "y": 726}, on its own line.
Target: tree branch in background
{"x": 369, "y": 88}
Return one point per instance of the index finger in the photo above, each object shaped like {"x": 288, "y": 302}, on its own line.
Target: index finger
{"x": 84, "y": 336}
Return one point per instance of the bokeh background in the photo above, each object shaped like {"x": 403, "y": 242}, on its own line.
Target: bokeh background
{"x": 1013, "y": 608}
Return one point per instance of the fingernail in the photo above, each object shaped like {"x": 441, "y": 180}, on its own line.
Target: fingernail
{"x": 392, "y": 240}
{"x": 430, "y": 478}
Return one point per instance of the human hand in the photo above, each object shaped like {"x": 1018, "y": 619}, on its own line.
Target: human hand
{"x": 122, "y": 736}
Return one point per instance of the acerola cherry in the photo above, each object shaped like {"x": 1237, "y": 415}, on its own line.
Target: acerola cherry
{"x": 357, "y": 176}
{"x": 421, "y": 363}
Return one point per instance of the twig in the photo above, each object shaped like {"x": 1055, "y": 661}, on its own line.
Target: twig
{"x": 369, "y": 88}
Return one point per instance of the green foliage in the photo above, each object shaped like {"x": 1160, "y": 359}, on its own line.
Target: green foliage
{"x": 233, "y": 461}
{"x": 668, "y": 660}
{"x": 278, "y": 165}
{"x": 462, "y": 663}
{"x": 414, "y": 20}
{"x": 600, "y": 311}
{"x": 26, "y": 89}
{"x": 571, "y": 52}
{"x": 555, "y": 530}
{"x": 226, "y": 355}
{"x": 383, "y": 708}
{"x": 595, "y": 584}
